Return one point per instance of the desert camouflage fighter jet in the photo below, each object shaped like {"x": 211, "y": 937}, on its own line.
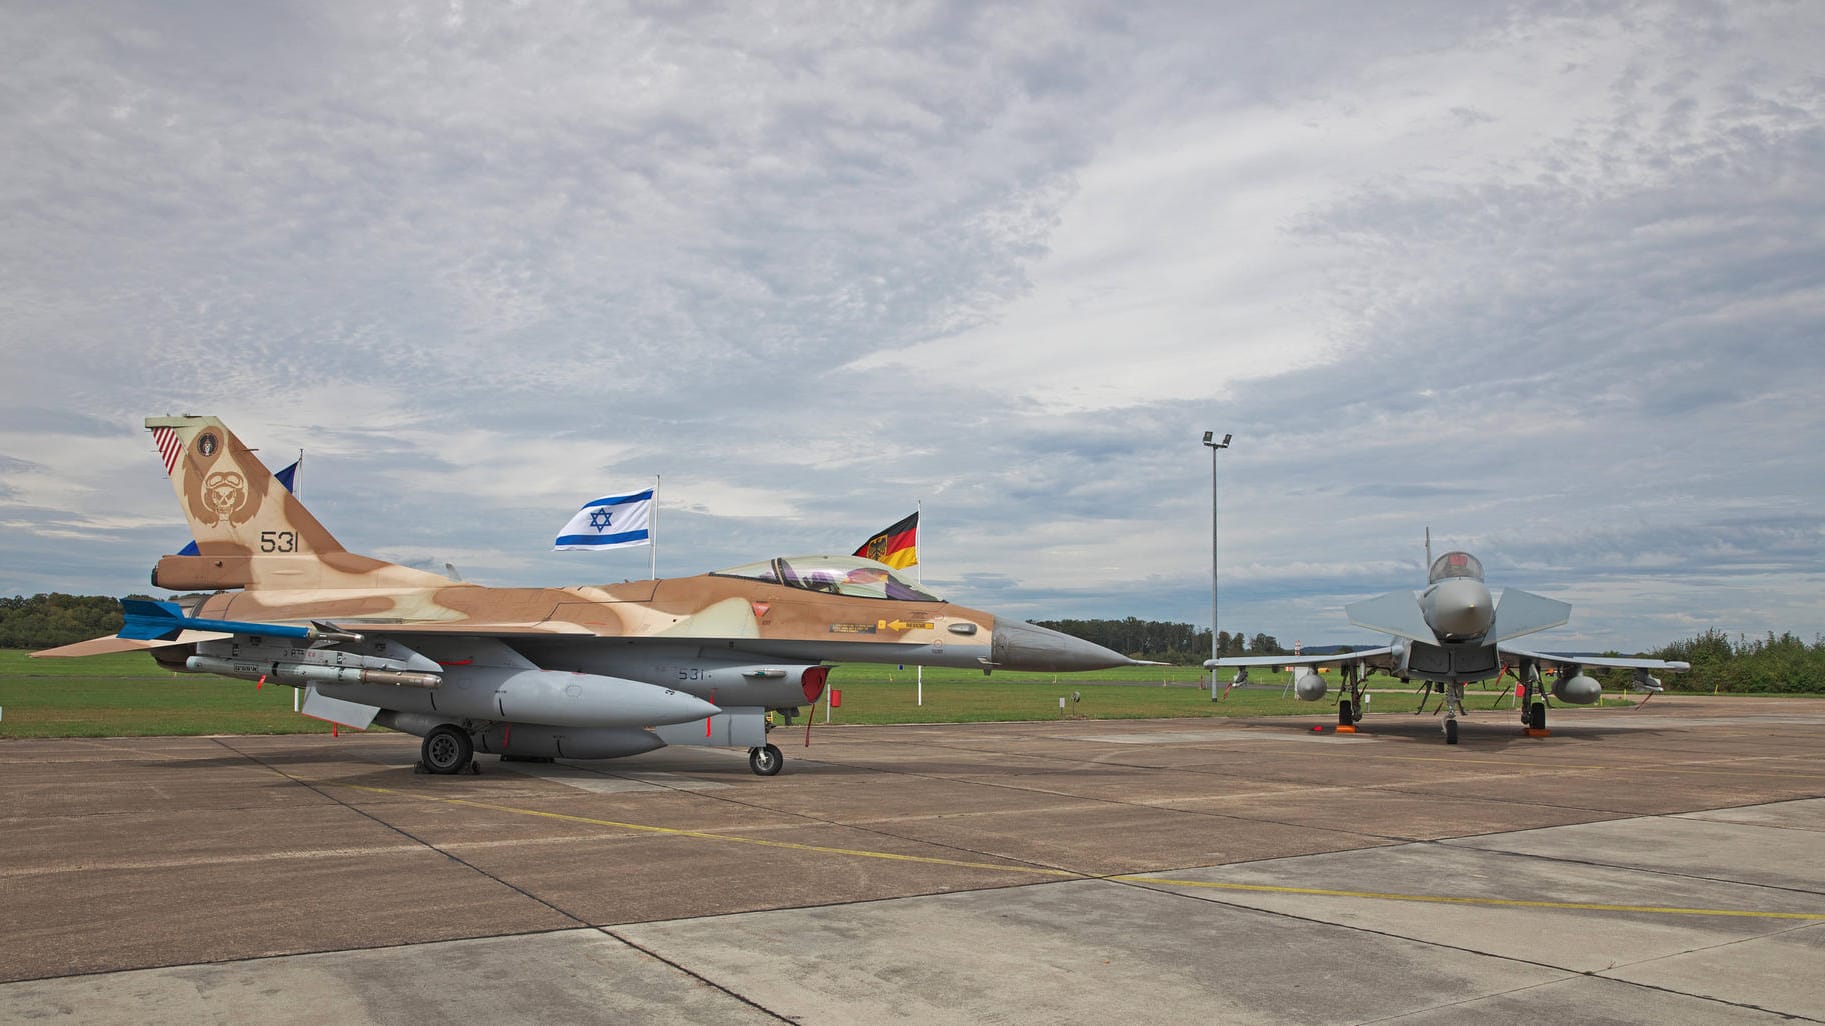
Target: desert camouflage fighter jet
{"x": 575, "y": 672}
{"x": 1451, "y": 634}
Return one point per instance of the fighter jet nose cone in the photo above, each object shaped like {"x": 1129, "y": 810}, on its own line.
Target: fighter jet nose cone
{"x": 1460, "y": 610}
{"x": 1019, "y": 645}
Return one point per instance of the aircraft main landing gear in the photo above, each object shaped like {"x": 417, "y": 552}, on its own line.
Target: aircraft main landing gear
{"x": 1533, "y": 698}
{"x": 766, "y": 760}
{"x": 447, "y": 749}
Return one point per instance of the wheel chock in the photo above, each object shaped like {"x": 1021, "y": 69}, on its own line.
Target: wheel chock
{"x": 1343, "y": 729}
{"x": 1537, "y": 732}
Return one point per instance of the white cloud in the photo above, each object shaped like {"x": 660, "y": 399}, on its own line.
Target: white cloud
{"x": 1544, "y": 278}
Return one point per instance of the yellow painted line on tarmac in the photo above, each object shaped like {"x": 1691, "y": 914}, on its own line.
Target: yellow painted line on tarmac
{"x": 1438, "y": 899}
{"x": 1066, "y": 874}
{"x": 705, "y": 835}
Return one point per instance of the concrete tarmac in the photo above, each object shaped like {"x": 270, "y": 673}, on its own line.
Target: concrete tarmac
{"x": 1663, "y": 864}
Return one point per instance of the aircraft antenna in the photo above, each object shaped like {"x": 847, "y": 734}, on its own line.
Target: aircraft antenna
{"x": 1428, "y": 548}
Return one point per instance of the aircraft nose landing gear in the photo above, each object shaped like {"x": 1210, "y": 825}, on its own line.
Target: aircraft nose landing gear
{"x": 766, "y": 760}
{"x": 1454, "y": 704}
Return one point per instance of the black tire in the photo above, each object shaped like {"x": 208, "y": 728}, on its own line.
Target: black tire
{"x": 447, "y": 749}
{"x": 1451, "y": 732}
{"x": 1346, "y": 714}
{"x": 765, "y": 761}
{"x": 1536, "y": 716}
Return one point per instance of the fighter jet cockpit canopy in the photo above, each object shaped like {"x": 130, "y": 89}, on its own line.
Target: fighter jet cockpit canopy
{"x": 835, "y": 575}
{"x": 1455, "y": 564}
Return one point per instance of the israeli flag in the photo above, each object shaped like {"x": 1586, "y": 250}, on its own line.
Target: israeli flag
{"x": 611, "y": 522}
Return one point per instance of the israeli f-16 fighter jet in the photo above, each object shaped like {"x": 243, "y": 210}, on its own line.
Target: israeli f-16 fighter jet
{"x": 1449, "y": 635}
{"x": 576, "y": 672}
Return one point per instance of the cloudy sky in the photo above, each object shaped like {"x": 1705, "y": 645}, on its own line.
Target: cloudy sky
{"x": 1547, "y": 278}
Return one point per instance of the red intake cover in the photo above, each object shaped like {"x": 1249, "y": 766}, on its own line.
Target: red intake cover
{"x": 813, "y": 681}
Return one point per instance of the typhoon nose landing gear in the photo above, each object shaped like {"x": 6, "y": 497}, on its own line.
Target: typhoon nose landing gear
{"x": 1454, "y": 704}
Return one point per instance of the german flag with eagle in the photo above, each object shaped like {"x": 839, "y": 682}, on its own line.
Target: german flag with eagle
{"x": 898, "y": 546}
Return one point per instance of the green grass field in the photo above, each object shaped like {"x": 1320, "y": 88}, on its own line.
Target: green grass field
{"x": 130, "y": 696}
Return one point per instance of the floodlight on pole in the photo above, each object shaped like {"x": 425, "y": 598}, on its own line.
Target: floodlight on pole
{"x": 1214, "y": 654}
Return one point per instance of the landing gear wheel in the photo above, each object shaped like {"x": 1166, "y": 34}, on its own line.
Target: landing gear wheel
{"x": 1536, "y": 716}
{"x": 1346, "y": 715}
{"x": 447, "y": 749}
{"x": 1451, "y": 732}
{"x": 765, "y": 761}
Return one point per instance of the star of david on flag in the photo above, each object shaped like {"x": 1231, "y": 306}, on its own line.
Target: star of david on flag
{"x": 611, "y": 522}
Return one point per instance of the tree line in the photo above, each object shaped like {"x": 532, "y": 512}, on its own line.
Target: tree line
{"x": 1765, "y": 665}
{"x": 1178, "y": 643}
{"x": 46, "y": 621}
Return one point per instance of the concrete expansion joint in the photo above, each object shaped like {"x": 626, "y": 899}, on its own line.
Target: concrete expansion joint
{"x": 699, "y": 977}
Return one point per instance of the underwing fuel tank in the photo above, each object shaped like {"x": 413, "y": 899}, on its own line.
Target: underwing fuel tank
{"x": 1308, "y": 684}
{"x": 1579, "y": 690}
{"x": 562, "y": 698}
{"x": 536, "y": 740}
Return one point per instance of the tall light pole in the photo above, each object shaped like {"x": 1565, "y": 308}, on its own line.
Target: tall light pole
{"x": 1213, "y": 447}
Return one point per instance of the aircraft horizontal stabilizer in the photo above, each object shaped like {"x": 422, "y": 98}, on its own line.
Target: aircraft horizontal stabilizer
{"x": 1395, "y": 613}
{"x": 1522, "y": 612}
{"x": 146, "y": 620}
{"x": 114, "y": 644}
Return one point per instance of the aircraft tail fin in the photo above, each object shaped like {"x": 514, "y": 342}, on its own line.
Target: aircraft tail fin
{"x": 1522, "y": 612}
{"x": 1395, "y": 613}
{"x": 250, "y": 530}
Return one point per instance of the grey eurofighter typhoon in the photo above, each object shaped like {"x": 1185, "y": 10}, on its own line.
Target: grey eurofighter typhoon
{"x": 1451, "y": 634}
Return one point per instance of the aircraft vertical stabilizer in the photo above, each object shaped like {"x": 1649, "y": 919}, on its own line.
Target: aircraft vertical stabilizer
{"x": 1522, "y": 612}
{"x": 250, "y": 530}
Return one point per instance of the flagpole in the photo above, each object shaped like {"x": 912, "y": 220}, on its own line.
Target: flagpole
{"x": 296, "y": 692}
{"x": 919, "y": 575}
{"x": 652, "y": 533}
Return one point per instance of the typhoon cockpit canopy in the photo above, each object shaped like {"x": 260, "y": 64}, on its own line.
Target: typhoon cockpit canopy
{"x": 835, "y": 575}
{"x": 1455, "y": 564}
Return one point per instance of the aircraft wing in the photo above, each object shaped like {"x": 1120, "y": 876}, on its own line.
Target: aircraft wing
{"x": 1550, "y": 661}
{"x": 1371, "y": 656}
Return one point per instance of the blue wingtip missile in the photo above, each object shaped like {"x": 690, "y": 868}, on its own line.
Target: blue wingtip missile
{"x": 147, "y": 620}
